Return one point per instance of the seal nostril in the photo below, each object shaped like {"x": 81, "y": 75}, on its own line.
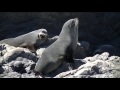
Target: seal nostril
{"x": 42, "y": 36}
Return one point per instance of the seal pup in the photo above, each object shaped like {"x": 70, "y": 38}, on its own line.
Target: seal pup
{"x": 29, "y": 40}
{"x": 61, "y": 50}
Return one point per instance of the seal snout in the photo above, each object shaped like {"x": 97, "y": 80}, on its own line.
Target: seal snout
{"x": 76, "y": 21}
{"x": 43, "y": 34}
{"x": 76, "y": 18}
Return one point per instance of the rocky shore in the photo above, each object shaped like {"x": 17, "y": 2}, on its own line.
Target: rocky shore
{"x": 16, "y": 62}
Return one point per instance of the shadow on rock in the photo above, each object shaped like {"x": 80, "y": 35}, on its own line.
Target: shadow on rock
{"x": 1, "y": 69}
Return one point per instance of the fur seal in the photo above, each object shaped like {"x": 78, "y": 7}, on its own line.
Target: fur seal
{"x": 28, "y": 40}
{"x": 61, "y": 50}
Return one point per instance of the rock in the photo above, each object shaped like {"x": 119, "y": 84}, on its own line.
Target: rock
{"x": 19, "y": 67}
{"x": 39, "y": 52}
{"x": 103, "y": 56}
{"x": 114, "y": 62}
{"x": 82, "y": 50}
{"x": 86, "y": 46}
{"x": 16, "y": 59}
{"x": 109, "y": 68}
{"x": 106, "y": 75}
{"x": 10, "y": 75}
{"x": 7, "y": 68}
{"x": 12, "y": 53}
{"x": 22, "y": 66}
{"x": 79, "y": 53}
{"x": 106, "y": 48}
{"x": 32, "y": 75}
{"x": 97, "y": 66}
{"x": 64, "y": 67}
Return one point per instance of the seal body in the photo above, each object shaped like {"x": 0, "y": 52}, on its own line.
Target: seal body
{"x": 27, "y": 40}
{"x": 61, "y": 50}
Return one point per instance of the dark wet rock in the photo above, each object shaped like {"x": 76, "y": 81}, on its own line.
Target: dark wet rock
{"x": 19, "y": 67}
{"x": 1, "y": 69}
{"x": 22, "y": 66}
{"x": 106, "y": 48}
{"x": 82, "y": 50}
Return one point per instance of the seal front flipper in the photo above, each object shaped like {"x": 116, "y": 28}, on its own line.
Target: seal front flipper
{"x": 31, "y": 48}
{"x": 71, "y": 65}
{"x": 38, "y": 74}
{"x": 69, "y": 59}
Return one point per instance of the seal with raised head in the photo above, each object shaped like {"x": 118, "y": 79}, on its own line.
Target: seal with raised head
{"x": 61, "y": 50}
{"x": 29, "y": 40}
